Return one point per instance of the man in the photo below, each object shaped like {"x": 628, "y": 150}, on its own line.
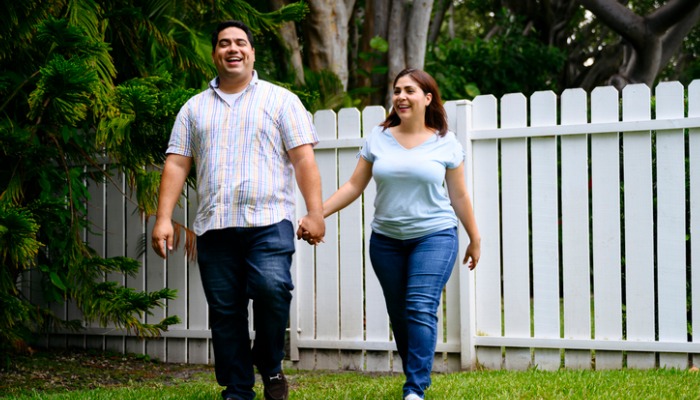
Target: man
{"x": 247, "y": 138}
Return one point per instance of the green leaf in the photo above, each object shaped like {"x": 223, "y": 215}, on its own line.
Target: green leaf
{"x": 380, "y": 44}
{"x": 472, "y": 89}
{"x": 56, "y": 280}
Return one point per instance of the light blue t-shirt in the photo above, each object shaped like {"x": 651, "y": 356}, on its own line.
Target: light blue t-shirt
{"x": 411, "y": 198}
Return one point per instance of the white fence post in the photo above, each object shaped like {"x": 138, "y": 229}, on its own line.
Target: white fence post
{"x": 694, "y": 178}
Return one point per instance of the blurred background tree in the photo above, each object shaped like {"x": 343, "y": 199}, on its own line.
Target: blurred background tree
{"x": 496, "y": 43}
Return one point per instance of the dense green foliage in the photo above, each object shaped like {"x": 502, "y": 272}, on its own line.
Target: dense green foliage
{"x": 90, "y": 89}
{"x": 508, "y": 63}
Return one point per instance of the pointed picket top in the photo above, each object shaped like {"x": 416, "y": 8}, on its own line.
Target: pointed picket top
{"x": 574, "y": 107}
{"x": 513, "y": 110}
{"x": 543, "y": 108}
{"x": 604, "y": 99}
{"x": 325, "y": 122}
{"x": 485, "y": 112}
{"x": 669, "y": 100}
{"x": 348, "y": 123}
{"x": 371, "y": 117}
{"x": 636, "y": 100}
{"x": 694, "y": 98}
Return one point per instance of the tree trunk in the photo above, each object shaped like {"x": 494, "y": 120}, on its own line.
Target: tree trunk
{"x": 288, "y": 33}
{"x": 375, "y": 23}
{"x": 326, "y": 30}
{"x": 397, "y": 36}
{"x": 417, "y": 34}
{"x": 408, "y": 34}
{"x": 438, "y": 16}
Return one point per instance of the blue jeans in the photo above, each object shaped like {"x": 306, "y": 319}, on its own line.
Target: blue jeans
{"x": 412, "y": 274}
{"x": 238, "y": 264}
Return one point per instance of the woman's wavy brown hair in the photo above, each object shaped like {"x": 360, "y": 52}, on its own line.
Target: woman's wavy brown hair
{"x": 435, "y": 115}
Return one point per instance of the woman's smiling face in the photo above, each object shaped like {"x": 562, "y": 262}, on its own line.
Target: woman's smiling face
{"x": 409, "y": 99}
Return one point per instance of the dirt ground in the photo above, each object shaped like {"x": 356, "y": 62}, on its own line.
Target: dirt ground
{"x": 49, "y": 370}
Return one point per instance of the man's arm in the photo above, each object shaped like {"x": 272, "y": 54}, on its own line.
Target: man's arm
{"x": 309, "y": 182}
{"x": 175, "y": 172}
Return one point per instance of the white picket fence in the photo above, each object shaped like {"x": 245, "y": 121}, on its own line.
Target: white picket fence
{"x": 587, "y": 259}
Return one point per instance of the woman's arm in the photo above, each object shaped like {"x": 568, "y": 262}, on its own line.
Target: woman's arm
{"x": 350, "y": 190}
{"x": 462, "y": 204}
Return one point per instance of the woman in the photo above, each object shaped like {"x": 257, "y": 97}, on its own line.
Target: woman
{"x": 413, "y": 246}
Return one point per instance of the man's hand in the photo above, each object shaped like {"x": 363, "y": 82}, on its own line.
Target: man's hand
{"x": 312, "y": 228}
{"x": 162, "y": 236}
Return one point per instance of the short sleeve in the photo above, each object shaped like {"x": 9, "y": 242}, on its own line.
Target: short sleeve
{"x": 296, "y": 123}
{"x": 456, "y": 154}
{"x": 365, "y": 153}
{"x": 180, "y": 139}
{"x": 366, "y": 150}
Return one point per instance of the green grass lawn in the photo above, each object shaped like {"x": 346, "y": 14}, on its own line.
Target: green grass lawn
{"x": 84, "y": 375}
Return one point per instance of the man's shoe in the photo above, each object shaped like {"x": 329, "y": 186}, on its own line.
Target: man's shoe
{"x": 276, "y": 387}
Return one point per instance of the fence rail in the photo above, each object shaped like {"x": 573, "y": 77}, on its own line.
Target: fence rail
{"x": 587, "y": 207}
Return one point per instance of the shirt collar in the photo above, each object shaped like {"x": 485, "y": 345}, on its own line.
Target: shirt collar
{"x": 214, "y": 83}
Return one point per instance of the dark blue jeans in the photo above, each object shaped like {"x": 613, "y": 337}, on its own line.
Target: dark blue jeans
{"x": 412, "y": 274}
{"x": 238, "y": 264}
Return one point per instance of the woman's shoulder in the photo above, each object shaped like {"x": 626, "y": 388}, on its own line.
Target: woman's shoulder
{"x": 376, "y": 133}
{"x": 449, "y": 135}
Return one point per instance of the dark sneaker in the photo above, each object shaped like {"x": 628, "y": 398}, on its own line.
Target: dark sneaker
{"x": 276, "y": 387}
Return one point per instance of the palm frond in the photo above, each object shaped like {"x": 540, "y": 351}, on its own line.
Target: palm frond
{"x": 18, "y": 238}
{"x": 85, "y": 14}
{"x": 64, "y": 91}
{"x": 258, "y": 21}
{"x": 18, "y": 20}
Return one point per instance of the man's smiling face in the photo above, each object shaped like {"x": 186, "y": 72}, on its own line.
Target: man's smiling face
{"x": 233, "y": 56}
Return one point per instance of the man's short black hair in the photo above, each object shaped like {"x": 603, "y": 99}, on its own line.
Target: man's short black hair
{"x": 228, "y": 24}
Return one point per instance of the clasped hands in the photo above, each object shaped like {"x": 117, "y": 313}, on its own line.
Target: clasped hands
{"x": 312, "y": 229}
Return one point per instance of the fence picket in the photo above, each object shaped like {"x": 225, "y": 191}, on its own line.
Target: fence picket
{"x": 450, "y": 318}
{"x": 515, "y": 230}
{"x": 694, "y": 206}
{"x": 575, "y": 231}
{"x": 638, "y": 213}
{"x": 670, "y": 232}
{"x": 176, "y": 278}
{"x": 198, "y": 348}
{"x": 487, "y": 212}
{"x": 303, "y": 307}
{"x": 134, "y": 248}
{"x": 606, "y": 242}
{"x": 155, "y": 280}
{"x": 96, "y": 213}
{"x": 545, "y": 230}
{"x": 350, "y": 253}
{"x": 377, "y": 319}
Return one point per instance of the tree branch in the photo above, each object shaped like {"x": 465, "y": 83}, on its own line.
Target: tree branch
{"x": 673, "y": 39}
{"x": 619, "y": 18}
{"x": 669, "y": 14}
